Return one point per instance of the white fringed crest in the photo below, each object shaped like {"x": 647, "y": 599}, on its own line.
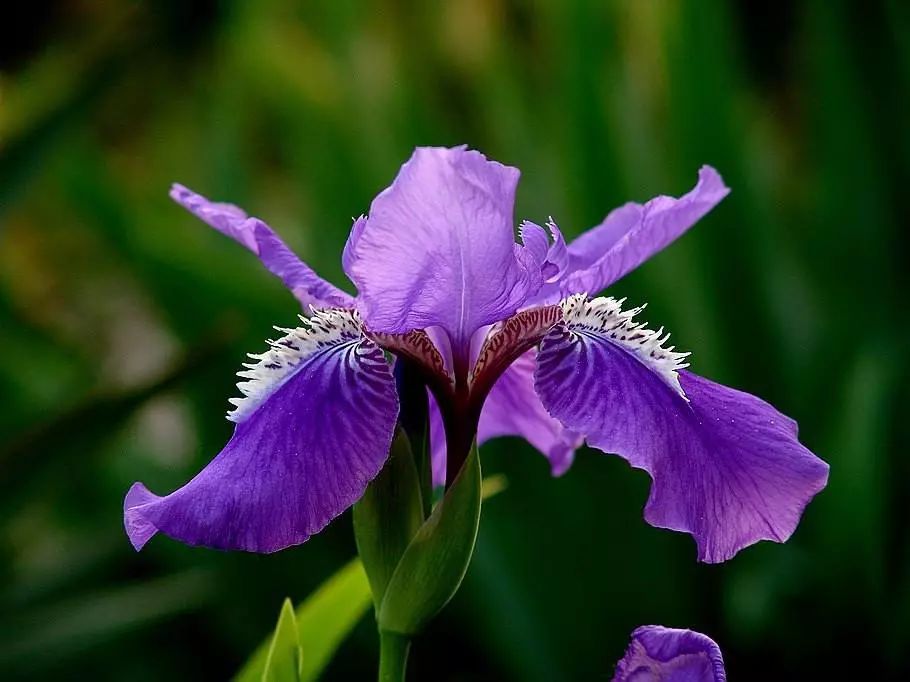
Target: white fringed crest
{"x": 272, "y": 368}
{"x": 604, "y": 315}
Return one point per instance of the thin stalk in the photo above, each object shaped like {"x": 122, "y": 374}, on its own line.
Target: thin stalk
{"x": 393, "y": 656}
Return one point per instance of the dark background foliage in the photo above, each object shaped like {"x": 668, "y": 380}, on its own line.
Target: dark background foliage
{"x": 122, "y": 319}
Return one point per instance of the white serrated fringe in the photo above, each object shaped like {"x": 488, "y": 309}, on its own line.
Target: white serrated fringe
{"x": 604, "y": 315}
{"x": 273, "y": 367}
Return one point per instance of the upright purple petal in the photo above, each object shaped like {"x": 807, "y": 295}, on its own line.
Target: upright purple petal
{"x": 659, "y": 654}
{"x": 726, "y": 466}
{"x": 534, "y": 239}
{"x": 313, "y": 429}
{"x": 631, "y": 234}
{"x": 558, "y": 255}
{"x": 551, "y": 258}
{"x": 350, "y": 246}
{"x": 308, "y": 287}
{"x": 438, "y": 248}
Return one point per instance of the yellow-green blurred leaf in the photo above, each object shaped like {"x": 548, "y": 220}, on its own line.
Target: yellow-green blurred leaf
{"x": 323, "y": 621}
{"x": 282, "y": 664}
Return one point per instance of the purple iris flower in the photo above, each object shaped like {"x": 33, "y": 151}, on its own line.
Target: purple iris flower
{"x": 509, "y": 342}
{"x": 659, "y": 654}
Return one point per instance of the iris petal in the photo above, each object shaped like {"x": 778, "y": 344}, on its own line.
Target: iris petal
{"x": 659, "y": 654}
{"x": 629, "y": 236}
{"x": 431, "y": 242}
{"x": 551, "y": 258}
{"x": 726, "y": 466}
{"x": 308, "y": 287}
{"x": 633, "y": 233}
{"x": 297, "y": 459}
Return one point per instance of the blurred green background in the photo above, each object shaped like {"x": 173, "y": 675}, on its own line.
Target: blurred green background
{"x": 123, "y": 319}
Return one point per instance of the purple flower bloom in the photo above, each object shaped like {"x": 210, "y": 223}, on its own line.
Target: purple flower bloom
{"x": 509, "y": 343}
{"x": 659, "y": 654}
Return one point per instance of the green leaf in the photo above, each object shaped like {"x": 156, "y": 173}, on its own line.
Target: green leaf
{"x": 328, "y": 616}
{"x": 282, "y": 664}
{"x": 388, "y": 516}
{"x": 323, "y": 621}
{"x": 435, "y": 563}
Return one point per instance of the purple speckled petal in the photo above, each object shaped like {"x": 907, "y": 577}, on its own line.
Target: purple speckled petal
{"x": 726, "y": 466}
{"x": 303, "y": 455}
{"x": 659, "y": 654}
{"x": 629, "y": 236}
{"x": 308, "y": 287}
{"x": 432, "y": 243}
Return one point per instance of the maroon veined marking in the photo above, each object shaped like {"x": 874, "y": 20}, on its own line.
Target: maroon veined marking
{"x": 460, "y": 399}
{"x": 416, "y": 347}
{"x": 507, "y": 343}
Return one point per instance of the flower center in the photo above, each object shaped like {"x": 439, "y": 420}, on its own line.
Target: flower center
{"x": 460, "y": 394}
{"x": 506, "y": 342}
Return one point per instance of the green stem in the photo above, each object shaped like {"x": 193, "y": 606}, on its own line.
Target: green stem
{"x": 393, "y": 656}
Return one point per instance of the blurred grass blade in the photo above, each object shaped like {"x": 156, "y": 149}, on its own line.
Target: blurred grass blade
{"x": 40, "y": 639}
{"x": 323, "y": 621}
{"x": 328, "y": 616}
{"x": 282, "y": 664}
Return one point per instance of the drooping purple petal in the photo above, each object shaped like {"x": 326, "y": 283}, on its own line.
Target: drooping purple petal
{"x": 630, "y": 235}
{"x": 726, "y": 466}
{"x": 314, "y": 428}
{"x": 659, "y": 654}
{"x": 308, "y": 287}
{"x": 438, "y": 248}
